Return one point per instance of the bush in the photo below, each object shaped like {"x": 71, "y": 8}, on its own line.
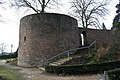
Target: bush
{"x": 114, "y": 74}
{"x": 113, "y": 52}
{"x": 82, "y": 69}
{"x": 13, "y": 55}
{"x": 8, "y": 56}
{"x": 7, "y": 61}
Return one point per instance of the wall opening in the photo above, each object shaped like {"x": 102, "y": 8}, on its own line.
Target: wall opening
{"x": 82, "y": 37}
{"x": 24, "y": 38}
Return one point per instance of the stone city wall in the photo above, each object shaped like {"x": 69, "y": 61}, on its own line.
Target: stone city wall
{"x": 102, "y": 37}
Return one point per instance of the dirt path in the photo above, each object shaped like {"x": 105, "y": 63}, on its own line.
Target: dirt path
{"x": 36, "y": 74}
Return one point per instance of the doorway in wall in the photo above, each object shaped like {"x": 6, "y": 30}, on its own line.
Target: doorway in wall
{"x": 84, "y": 38}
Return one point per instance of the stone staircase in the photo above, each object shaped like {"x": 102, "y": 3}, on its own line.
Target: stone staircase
{"x": 57, "y": 63}
{"x": 61, "y": 61}
{"x": 81, "y": 59}
{"x": 73, "y": 59}
{"x": 73, "y": 55}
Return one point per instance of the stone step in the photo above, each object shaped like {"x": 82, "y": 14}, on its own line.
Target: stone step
{"x": 42, "y": 68}
{"x": 52, "y": 64}
{"x": 61, "y": 61}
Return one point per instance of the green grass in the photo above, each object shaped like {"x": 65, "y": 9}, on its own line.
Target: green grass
{"x": 9, "y": 74}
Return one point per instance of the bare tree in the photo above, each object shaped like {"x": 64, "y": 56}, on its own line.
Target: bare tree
{"x": 2, "y": 2}
{"x": 38, "y": 6}
{"x": 2, "y": 48}
{"x": 89, "y": 11}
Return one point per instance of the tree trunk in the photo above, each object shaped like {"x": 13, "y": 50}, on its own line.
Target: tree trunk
{"x": 43, "y": 6}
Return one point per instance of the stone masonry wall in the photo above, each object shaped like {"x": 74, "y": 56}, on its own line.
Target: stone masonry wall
{"x": 102, "y": 37}
{"x": 44, "y": 36}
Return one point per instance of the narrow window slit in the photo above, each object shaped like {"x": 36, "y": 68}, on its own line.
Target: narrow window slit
{"x": 25, "y": 38}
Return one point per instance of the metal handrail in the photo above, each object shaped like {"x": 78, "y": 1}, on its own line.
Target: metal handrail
{"x": 67, "y": 52}
{"x": 92, "y": 43}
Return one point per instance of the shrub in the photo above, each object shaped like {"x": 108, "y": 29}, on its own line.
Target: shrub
{"x": 113, "y": 52}
{"x": 84, "y": 68}
{"x": 7, "y": 61}
{"x": 114, "y": 74}
{"x": 8, "y": 56}
{"x": 13, "y": 55}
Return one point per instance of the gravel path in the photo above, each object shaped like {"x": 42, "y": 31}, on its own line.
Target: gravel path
{"x": 36, "y": 74}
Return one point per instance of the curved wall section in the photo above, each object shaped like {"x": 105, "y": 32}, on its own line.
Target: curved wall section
{"x": 45, "y": 35}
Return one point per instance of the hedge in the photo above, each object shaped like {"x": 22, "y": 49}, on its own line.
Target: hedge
{"x": 114, "y": 74}
{"x": 81, "y": 69}
{"x": 8, "y": 56}
{"x": 13, "y": 55}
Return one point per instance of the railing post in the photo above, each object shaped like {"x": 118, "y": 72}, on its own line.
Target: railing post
{"x": 68, "y": 52}
{"x": 89, "y": 51}
{"x": 68, "y": 55}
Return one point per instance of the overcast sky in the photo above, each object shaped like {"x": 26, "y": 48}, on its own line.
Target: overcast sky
{"x": 9, "y": 30}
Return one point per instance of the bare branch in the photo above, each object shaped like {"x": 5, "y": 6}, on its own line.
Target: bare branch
{"x": 29, "y": 5}
{"x": 40, "y": 2}
{"x": 2, "y": 48}
{"x": 89, "y": 11}
{"x": 36, "y": 5}
{"x": 47, "y": 3}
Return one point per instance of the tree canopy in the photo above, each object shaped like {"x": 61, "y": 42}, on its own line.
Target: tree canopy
{"x": 88, "y": 12}
{"x": 38, "y": 6}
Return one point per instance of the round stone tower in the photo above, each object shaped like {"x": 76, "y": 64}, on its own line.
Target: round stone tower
{"x": 43, "y": 36}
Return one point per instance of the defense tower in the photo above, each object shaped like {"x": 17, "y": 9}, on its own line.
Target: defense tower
{"x": 43, "y": 36}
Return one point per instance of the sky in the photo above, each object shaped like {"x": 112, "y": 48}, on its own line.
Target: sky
{"x": 9, "y": 29}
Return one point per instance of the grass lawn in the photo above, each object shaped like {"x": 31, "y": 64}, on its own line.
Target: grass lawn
{"x": 9, "y": 74}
